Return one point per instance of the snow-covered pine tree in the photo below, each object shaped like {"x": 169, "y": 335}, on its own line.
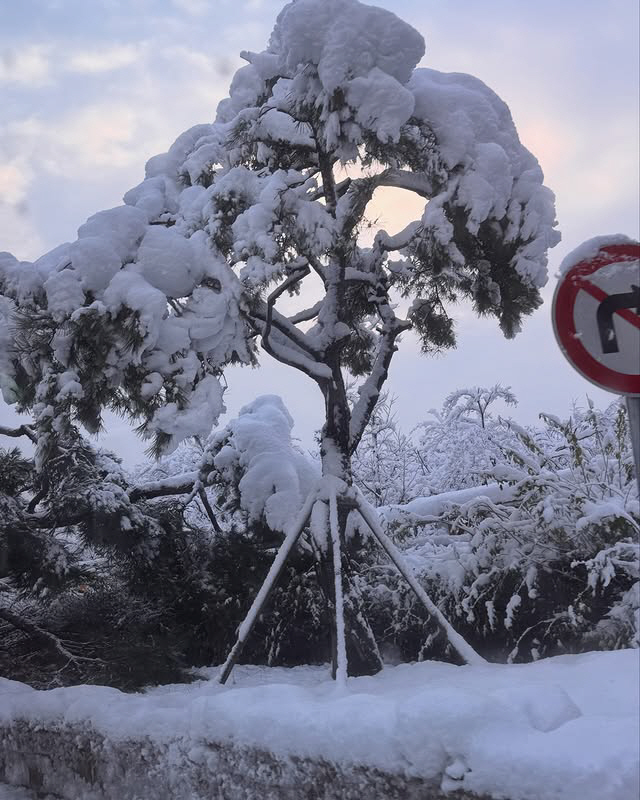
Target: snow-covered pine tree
{"x": 143, "y": 312}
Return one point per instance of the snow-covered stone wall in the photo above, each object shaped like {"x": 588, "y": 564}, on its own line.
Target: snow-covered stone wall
{"x": 78, "y": 763}
{"x": 558, "y": 729}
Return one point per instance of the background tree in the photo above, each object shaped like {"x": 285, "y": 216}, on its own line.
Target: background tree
{"x": 143, "y": 312}
{"x": 460, "y": 444}
{"x": 387, "y": 464}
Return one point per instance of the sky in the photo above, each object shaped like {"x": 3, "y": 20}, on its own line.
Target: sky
{"x": 90, "y": 90}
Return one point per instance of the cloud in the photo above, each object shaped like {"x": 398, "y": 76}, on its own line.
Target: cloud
{"x": 27, "y": 66}
{"x": 195, "y": 8}
{"x": 104, "y": 60}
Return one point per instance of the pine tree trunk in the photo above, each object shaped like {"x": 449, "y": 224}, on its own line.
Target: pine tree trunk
{"x": 362, "y": 652}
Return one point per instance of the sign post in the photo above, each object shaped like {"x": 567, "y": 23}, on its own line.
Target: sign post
{"x": 596, "y": 320}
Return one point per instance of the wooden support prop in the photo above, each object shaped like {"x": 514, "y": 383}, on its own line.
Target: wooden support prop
{"x": 462, "y": 647}
{"x": 341, "y": 639}
{"x": 269, "y": 585}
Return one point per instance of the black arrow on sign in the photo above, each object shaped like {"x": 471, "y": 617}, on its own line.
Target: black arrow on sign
{"x": 605, "y": 312}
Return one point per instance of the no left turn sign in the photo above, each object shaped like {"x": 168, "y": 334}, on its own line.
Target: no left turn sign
{"x": 596, "y": 316}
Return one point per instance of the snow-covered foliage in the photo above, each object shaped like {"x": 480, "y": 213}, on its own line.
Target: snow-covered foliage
{"x": 256, "y": 468}
{"x": 459, "y": 445}
{"x": 95, "y": 586}
{"x": 143, "y": 311}
{"x": 388, "y": 465}
{"x": 543, "y": 559}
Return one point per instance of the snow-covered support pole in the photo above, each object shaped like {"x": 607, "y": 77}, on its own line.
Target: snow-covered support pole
{"x": 270, "y": 582}
{"x": 341, "y": 641}
{"x": 460, "y": 645}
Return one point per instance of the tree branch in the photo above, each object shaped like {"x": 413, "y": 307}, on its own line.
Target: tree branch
{"x": 283, "y": 353}
{"x": 286, "y": 327}
{"x": 23, "y": 430}
{"x": 46, "y": 638}
{"x": 179, "y": 484}
{"x": 308, "y": 314}
{"x": 369, "y": 392}
{"x": 207, "y": 507}
{"x": 403, "y": 179}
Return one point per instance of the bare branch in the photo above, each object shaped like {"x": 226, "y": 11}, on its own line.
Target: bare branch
{"x": 356, "y": 200}
{"x": 207, "y": 507}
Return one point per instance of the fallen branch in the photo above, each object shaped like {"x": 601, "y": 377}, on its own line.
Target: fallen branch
{"x": 46, "y": 638}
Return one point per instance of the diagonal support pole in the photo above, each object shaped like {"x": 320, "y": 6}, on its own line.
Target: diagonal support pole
{"x": 341, "y": 639}
{"x": 269, "y": 584}
{"x": 462, "y": 647}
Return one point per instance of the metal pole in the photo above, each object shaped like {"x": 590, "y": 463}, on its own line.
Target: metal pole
{"x": 633, "y": 409}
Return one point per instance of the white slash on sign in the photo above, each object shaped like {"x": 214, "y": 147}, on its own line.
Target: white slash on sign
{"x": 596, "y": 313}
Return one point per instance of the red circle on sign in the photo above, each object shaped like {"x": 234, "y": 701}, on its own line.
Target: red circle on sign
{"x": 564, "y": 323}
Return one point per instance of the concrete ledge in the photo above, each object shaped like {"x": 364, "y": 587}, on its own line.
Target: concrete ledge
{"x": 77, "y": 763}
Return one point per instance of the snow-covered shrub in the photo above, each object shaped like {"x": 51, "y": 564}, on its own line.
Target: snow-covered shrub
{"x": 460, "y": 443}
{"x": 92, "y": 585}
{"x": 541, "y": 561}
{"x": 387, "y": 465}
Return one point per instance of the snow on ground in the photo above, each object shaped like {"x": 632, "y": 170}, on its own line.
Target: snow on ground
{"x": 561, "y": 728}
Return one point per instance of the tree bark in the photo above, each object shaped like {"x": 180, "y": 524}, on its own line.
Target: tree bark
{"x": 363, "y": 656}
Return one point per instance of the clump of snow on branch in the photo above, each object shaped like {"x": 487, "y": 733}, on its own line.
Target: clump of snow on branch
{"x": 255, "y": 452}
{"x": 491, "y": 175}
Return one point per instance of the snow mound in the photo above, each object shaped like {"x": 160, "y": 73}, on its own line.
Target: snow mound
{"x": 276, "y": 476}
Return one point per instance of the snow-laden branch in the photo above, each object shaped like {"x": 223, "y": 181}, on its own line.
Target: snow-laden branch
{"x": 416, "y": 182}
{"x": 175, "y": 485}
{"x": 294, "y": 358}
{"x": 399, "y": 240}
{"x": 23, "y": 430}
{"x": 352, "y": 275}
{"x": 307, "y": 314}
{"x": 281, "y": 351}
{"x": 286, "y": 326}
